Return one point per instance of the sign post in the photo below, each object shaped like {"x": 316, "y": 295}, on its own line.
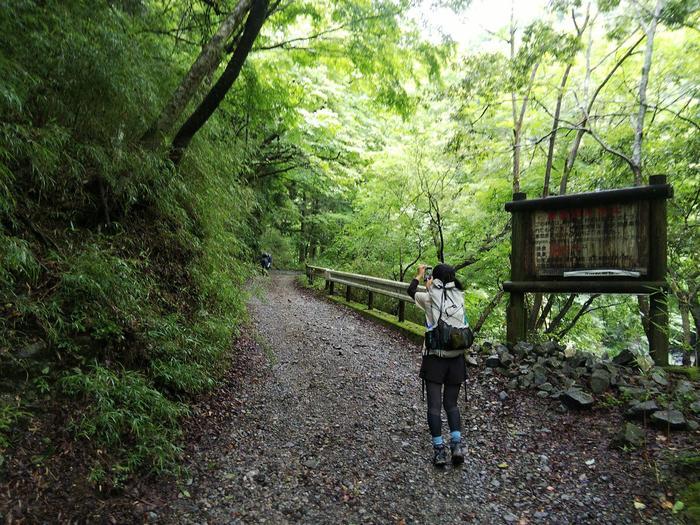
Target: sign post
{"x": 610, "y": 241}
{"x": 516, "y": 326}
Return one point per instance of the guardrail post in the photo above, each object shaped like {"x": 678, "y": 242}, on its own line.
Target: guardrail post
{"x": 348, "y": 293}
{"x": 402, "y": 311}
{"x": 330, "y": 287}
{"x": 370, "y": 300}
{"x": 309, "y": 274}
{"x": 515, "y": 312}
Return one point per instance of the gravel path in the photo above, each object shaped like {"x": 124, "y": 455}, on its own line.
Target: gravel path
{"x": 328, "y": 427}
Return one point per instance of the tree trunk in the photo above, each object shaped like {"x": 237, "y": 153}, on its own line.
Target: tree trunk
{"x": 557, "y": 111}
{"x": 302, "y": 229}
{"x": 487, "y": 311}
{"x": 205, "y": 64}
{"x": 561, "y": 314}
{"x": 545, "y": 311}
{"x": 644, "y": 80}
{"x": 582, "y": 311}
{"x": 684, "y": 308}
{"x": 695, "y": 312}
{"x": 441, "y": 248}
{"x": 643, "y": 302}
{"x": 573, "y": 153}
{"x": 518, "y": 127}
{"x": 256, "y": 18}
{"x": 553, "y": 134}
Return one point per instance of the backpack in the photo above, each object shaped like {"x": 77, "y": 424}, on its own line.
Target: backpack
{"x": 449, "y": 333}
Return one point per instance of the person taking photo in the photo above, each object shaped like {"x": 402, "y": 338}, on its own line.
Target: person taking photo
{"x": 442, "y": 370}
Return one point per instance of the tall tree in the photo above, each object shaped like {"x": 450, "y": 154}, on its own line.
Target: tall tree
{"x": 650, "y": 31}
{"x": 256, "y": 17}
{"x": 203, "y": 66}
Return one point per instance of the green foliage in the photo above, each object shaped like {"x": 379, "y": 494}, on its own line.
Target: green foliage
{"x": 17, "y": 262}
{"x": 11, "y": 414}
{"x": 102, "y": 295}
{"x": 692, "y": 373}
{"x": 122, "y": 412}
{"x": 348, "y": 139}
{"x": 691, "y": 500}
{"x": 127, "y": 273}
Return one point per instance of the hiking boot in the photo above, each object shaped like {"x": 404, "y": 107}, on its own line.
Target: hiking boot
{"x": 457, "y": 453}
{"x": 439, "y": 456}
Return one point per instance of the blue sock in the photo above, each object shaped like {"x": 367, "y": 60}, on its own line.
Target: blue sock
{"x": 437, "y": 441}
{"x": 456, "y": 436}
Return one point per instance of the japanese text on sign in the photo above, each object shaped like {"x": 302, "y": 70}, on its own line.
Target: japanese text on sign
{"x": 588, "y": 238}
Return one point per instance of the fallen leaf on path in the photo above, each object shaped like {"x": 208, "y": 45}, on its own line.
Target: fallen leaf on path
{"x": 639, "y": 505}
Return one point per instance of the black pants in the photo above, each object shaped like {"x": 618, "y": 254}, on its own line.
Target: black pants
{"x": 449, "y": 401}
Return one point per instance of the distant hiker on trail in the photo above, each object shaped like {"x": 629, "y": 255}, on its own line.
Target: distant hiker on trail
{"x": 266, "y": 262}
{"x": 443, "y": 369}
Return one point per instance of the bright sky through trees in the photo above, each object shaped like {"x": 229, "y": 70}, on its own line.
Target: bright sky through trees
{"x": 471, "y": 28}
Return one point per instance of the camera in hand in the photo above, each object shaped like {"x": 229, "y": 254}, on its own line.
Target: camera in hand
{"x": 428, "y": 273}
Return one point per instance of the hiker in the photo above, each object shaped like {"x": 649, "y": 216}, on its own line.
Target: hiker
{"x": 442, "y": 371}
{"x": 266, "y": 262}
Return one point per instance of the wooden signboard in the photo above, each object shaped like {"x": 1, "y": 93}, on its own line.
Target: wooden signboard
{"x": 609, "y": 238}
{"x": 610, "y": 241}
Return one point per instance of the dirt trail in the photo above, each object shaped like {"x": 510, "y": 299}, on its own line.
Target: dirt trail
{"x": 328, "y": 427}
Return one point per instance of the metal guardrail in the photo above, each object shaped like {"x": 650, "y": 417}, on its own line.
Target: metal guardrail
{"x": 373, "y": 285}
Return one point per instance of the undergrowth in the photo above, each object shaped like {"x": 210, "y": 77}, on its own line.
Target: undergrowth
{"x": 122, "y": 277}
{"x": 123, "y": 412}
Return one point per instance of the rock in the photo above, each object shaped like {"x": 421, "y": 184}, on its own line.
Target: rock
{"x": 540, "y": 515}
{"x": 526, "y": 380}
{"x": 580, "y": 371}
{"x": 311, "y": 463}
{"x": 600, "y": 381}
{"x": 553, "y": 363}
{"x": 542, "y": 394}
{"x": 641, "y": 409}
{"x": 625, "y": 358}
{"x": 695, "y": 407}
{"x": 630, "y": 436}
{"x": 512, "y": 384}
{"x": 577, "y": 399}
{"x": 632, "y": 391}
{"x": 493, "y": 361}
{"x": 522, "y": 349}
{"x": 692, "y": 425}
{"x": 511, "y": 372}
{"x": 539, "y": 375}
{"x": 614, "y": 375}
{"x": 659, "y": 377}
{"x": 563, "y": 381}
{"x": 32, "y": 350}
{"x": 506, "y": 358}
{"x": 502, "y": 395}
{"x": 510, "y": 518}
{"x": 471, "y": 360}
{"x": 672, "y": 419}
{"x": 684, "y": 388}
{"x": 546, "y": 387}
{"x": 551, "y": 348}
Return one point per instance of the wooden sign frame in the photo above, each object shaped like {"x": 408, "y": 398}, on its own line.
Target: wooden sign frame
{"x": 544, "y": 260}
